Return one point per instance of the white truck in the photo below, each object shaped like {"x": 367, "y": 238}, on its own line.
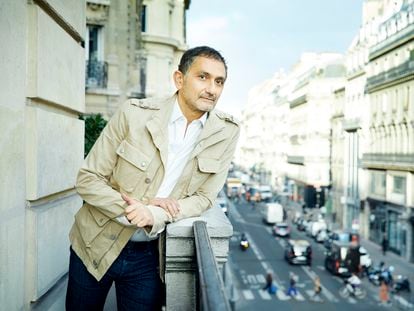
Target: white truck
{"x": 273, "y": 213}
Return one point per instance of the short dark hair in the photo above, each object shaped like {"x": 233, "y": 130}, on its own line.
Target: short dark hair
{"x": 204, "y": 51}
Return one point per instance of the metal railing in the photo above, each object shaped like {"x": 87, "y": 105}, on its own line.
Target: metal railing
{"x": 96, "y": 74}
{"x": 211, "y": 291}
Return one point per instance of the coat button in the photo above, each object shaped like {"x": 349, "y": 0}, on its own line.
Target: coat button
{"x": 147, "y": 180}
{"x": 112, "y": 237}
{"x": 143, "y": 164}
{"x": 95, "y": 264}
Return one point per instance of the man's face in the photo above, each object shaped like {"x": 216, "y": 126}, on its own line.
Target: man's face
{"x": 200, "y": 87}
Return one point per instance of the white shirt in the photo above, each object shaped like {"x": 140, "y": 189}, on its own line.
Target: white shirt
{"x": 181, "y": 142}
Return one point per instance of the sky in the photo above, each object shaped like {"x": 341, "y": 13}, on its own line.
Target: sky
{"x": 257, "y": 38}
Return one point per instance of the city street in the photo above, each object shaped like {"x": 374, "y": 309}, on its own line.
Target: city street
{"x": 266, "y": 253}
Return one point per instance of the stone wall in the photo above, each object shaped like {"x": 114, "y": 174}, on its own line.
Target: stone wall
{"x": 42, "y": 94}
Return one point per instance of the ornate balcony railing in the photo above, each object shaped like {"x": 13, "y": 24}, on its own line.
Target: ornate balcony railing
{"x": 96, "y": 74}
{"x": 296, "y": 160}
{"x": 405, "y": 70}
{"x": 388, "y": 161}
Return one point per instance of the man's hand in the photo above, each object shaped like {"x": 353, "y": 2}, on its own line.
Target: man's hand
{"x": 136, "y": 213}
{"x": 170, "y": 205}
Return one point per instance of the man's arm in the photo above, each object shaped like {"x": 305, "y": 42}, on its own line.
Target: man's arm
{"x": 203, "y": 198}
{"x": 93, "y": 178}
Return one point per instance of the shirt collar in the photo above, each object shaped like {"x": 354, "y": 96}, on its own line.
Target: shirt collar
{"x": 177, "y": 114}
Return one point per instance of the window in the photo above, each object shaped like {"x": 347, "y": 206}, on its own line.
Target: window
{"x": 144, "y": 18}
{"x": 398, "y": 185}
{"x": 94, "y": 43}
{"x": 378, "y": 182}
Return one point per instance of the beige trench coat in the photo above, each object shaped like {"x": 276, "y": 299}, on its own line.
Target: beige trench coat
{"x": 130, "y": 157}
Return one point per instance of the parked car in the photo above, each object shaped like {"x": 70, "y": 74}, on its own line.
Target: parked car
{"x": 317, "y": 226}
{"x": 298, "y": 252}
{"x": 281, "y": 229}
{"x": 322, "y": 235}
{"x": 343, "y": 258}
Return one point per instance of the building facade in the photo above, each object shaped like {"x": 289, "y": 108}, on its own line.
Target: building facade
{"x": 310, "y": 102}
{"x": 131, "y": 50}
{"x": 42, "y": 94}
{"x": 334, "y": 208}
{"x": 389, "y": 160}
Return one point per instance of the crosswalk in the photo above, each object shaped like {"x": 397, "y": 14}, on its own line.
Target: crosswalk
{"x": 307, "y": 295}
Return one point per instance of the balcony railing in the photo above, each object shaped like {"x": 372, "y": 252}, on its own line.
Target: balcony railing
{"x": 211, "y": 292}
{"x": 388, "y": 161}
{"x": 296, "y": 160}
{"x": 195, "y": 253}
{"x": 400, "y": 72}
{"x": 96, "y": 74}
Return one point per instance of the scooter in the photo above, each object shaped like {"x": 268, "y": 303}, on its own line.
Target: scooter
{"x": 244, "y": 243}
{"x": 401, "y": 283}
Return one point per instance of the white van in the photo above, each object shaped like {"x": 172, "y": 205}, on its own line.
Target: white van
{"x": 273, "y": 213}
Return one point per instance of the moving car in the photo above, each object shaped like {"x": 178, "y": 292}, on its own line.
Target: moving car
{"x": 342, "y": 258}
{"x": 281, "y": 229}
{"x": 342, "y": 236}
{"x": 298, "y": 252}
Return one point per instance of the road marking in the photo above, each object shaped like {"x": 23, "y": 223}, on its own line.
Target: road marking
{"x": 351, "y": 300}
{"x": 269, "y": 230}
{"x": 403, "y": 302}
{"x": 281, "y": 294}
{"x": 264, "y": 294}
{"x": 299, "y": 296}
{"x": 248, "y": 295}
{"x": 325, "y": 291}
{"x": 260, "y": 278}
{"x": 251, "y": 279}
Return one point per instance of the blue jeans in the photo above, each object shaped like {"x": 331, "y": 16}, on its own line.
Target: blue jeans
{"x": 135, "y": 273}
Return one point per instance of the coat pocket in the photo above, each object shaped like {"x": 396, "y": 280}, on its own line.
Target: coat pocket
{"x": 204, "y": 168}
{"x": 90, "y": 223}
{"x": 132, "y": 163}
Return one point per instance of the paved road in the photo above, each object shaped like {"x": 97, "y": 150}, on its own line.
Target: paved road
{"x": 266, "y": 254}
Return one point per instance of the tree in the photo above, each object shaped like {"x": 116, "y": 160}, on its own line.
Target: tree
{"x": 94, "y": 124}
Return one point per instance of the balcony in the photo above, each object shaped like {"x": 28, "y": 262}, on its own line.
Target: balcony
{"x": 298, "y": 101}
{"x": 400, "y": 73}
{"x": 392, "y": 42}
{"x": 351, "y": 125}
{"x": 404, "y": 162}
{"x": 196, "y": 250}
{"x": 96, "y": 74}
{"x": 299, "y": 160}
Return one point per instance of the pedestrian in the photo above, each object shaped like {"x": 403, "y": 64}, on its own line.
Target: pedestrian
{"x": 157, "y": 161}
{"x": 292, "y": 291}
{"x": 383, "y": 293}
{"x": 384, "y": 244}
{"x": 317, "y": 289}
{"x": 270, "y": 285}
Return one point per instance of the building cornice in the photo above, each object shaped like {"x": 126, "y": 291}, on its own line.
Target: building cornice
{"x": 392, "y": 42}
{"x": 174, "y": 43}
{"x": 298, "y": 101}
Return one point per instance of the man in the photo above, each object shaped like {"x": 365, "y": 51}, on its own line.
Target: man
{"x": 157, "y": 161}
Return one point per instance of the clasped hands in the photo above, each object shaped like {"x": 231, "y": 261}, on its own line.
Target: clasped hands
{"x": 137, "y": 214}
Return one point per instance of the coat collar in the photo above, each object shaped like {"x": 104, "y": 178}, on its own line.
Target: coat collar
{"x": 157, "y": 125}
